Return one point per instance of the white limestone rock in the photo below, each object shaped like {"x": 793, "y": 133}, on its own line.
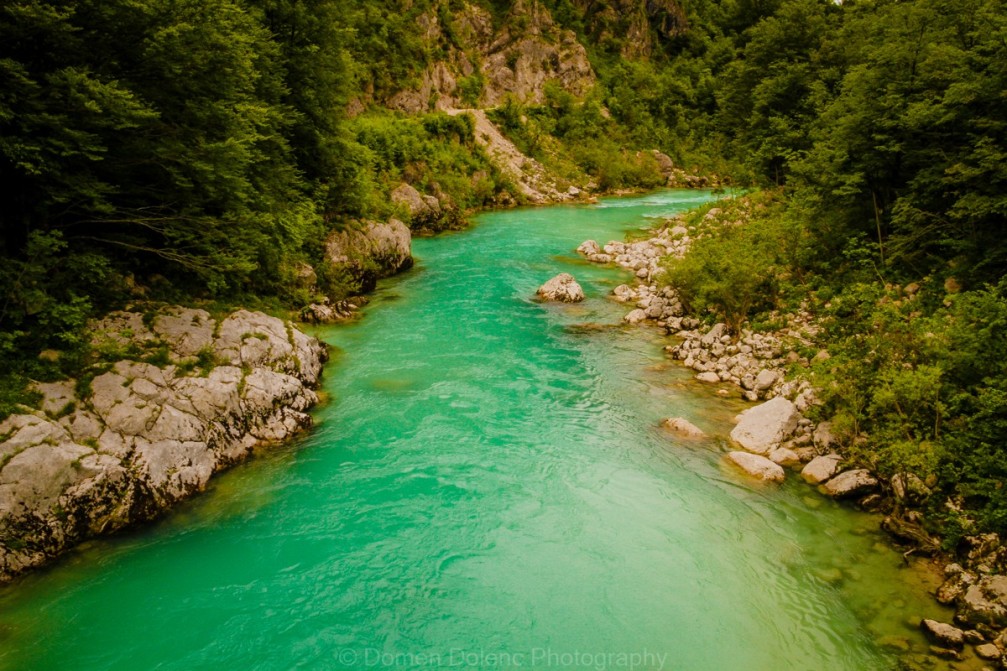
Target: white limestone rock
{"x": 757, "y": 466}
{"x": 821, "y": 468}
{"x": 762, "y": 428}
{"x": 563, "y": 288}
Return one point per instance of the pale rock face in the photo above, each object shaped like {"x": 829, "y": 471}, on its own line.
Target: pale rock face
{"x": 757, "y": 466}
{"x": 55, "y": 395}
{"x": 563, "y": 288}
{"x": 824, "y": 438}
{"x": 186, "y": 331}
{"x": 762, "y": 428}
{"x": 143, "y": 437}
{"x": 421, "y": 209}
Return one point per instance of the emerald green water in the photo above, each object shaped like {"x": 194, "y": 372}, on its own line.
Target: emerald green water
{"x": 487, "y": 488}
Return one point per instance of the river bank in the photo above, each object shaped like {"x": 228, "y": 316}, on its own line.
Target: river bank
{"x": 775, "y": 437}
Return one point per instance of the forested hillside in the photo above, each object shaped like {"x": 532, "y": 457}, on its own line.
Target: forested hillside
{"x": 182, "y": 149}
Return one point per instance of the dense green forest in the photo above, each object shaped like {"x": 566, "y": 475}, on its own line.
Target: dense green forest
{"x": 202, "y": 148}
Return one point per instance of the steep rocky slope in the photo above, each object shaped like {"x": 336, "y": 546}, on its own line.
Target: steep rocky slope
{"x": 515, "y": 57}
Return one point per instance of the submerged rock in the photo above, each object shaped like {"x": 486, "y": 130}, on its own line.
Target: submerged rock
{"x": 683, "y": 427}
{"x": 563, "y": 288}
{"x": 762, "y": 428}
{"x": 144, "y": 437}
{"x": 757, "y": 466}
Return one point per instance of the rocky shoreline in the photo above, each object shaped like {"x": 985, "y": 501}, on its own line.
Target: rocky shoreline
{"x": 185, "y": 396}
{"x": 179, "y": 396}
{"x": 775, "y": 436}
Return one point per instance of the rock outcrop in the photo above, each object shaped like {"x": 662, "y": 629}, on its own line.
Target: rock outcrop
{"x": 426, "y": 212}
{"x": 985, "y": 602}
{"x": 141, "y": 437}
{"x": 370, "y": 251}
{"x": 563, "y": 288}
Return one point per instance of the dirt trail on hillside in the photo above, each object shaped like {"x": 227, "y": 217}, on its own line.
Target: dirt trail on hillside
{"x": 530, "y": 177}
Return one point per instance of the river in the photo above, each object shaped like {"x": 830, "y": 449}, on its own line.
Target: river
{"x": 488, "y": 487}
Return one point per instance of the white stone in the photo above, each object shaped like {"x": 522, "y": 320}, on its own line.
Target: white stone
{"x": 820, "y": 469}
{"x": 762, "y": 428}
{"x": 563, "y": 288}
{"x": 757, "y": 466}
{"x": 850, "y": 483}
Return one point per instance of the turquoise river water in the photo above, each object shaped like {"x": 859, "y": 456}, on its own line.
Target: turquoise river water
{"x": 488, "y": 487}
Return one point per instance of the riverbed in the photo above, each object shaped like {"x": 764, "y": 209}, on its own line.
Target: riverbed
{"x": 488, "y": 486}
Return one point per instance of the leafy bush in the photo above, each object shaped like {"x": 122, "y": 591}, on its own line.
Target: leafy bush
{"x": 733, "y": 270}
{"x": 925, "y": 389}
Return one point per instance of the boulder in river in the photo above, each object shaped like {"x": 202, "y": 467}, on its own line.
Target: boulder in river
{"x": 563, "y": 288}
{"x": 683, "y": 427}
{"x": 757, "y": 466}
{"x": 943, "y": 634}
{"x": 635, "y": 317}
{"x": 762, "y": 428}
{"x": 849, "y": 484}
{"x": 784, "y": 457}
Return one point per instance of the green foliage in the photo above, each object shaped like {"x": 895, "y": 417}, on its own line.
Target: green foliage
{"x": 471, "y": 89}
{"x": 575, "y": 140}
{"x": 921, "y": 387}
{"x": 14, "y": 393}
{"x": 436, "y": 153}
{"x": 733, "y": 271}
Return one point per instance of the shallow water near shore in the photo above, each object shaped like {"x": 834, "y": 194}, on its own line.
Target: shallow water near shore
{"x": 489, "y": 487}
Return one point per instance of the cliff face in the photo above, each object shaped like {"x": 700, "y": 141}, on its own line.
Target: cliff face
{"x": 486, "y": 61}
